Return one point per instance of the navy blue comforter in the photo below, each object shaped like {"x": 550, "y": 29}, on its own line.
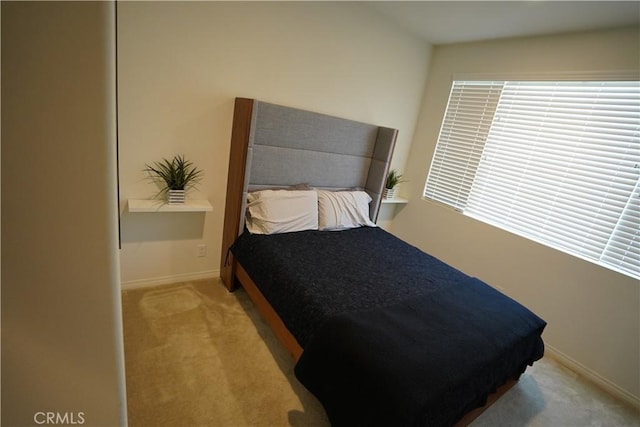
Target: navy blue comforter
{"x": 391, "y": 335}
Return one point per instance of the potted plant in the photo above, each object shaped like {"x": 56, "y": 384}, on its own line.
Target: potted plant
{"x": 175, "y": 177}
{"x": 393, "y": 179}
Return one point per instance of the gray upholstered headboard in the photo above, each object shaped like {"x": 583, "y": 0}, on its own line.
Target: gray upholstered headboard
{"x": 274, "y": 146}
{"x": 288, "y": 146}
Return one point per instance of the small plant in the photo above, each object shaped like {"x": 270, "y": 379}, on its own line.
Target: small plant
{"x": 394, "y": 178}
{"x": 175, "y": 174}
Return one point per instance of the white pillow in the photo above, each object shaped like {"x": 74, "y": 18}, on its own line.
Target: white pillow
{"x": 339, "y": 210}
{"x": 282, "y": 211}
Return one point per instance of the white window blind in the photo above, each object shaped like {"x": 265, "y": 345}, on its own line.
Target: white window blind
{"x": 463, "y": 133}
{"x": 557, "y": 162}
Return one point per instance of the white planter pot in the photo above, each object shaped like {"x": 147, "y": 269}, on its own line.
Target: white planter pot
{"x": 175, "y": 197}
{"x": 389, "y": 193}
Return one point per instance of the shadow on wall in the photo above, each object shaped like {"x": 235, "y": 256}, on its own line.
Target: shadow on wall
{"x": 161, "y": 226}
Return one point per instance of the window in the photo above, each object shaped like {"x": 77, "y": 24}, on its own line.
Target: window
{"x": 556, "y": 162}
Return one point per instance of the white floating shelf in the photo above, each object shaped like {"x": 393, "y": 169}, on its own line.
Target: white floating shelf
{"x": 139, "y": 205}
{"x": 396, "y": 200}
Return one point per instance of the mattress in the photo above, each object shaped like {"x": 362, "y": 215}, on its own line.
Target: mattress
{"x": 310, "y": 276}
{"x": 391, "y": 335}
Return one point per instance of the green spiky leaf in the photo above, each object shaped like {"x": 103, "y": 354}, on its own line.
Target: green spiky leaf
{"x": 175, "y": 174}
{"x": 393, "y": 178}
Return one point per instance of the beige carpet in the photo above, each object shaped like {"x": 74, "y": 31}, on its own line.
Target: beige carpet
{"x": 197, "y": 355}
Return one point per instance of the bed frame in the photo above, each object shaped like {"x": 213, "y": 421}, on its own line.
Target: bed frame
{"x": 275, "y": 146}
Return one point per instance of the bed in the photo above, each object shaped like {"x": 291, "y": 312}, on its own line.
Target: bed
{"x": 381, "y": 332}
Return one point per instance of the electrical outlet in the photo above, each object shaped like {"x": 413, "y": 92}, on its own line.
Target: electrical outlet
{"x": 202, "y": 250}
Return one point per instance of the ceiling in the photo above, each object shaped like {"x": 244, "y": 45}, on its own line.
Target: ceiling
{"x": 442, "y": 22}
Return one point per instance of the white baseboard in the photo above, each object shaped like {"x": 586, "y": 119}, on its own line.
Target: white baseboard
{"x": 592, "y": 376}
{"x": 166, "y": 280}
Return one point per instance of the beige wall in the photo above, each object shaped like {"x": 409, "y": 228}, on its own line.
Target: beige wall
{"x": 592, "y": 313}
{"x": 61, "y": 320}
{"x": 182, "y": 64}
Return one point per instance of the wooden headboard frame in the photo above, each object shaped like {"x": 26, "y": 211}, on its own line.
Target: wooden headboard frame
{"x": 275, "y": 146}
